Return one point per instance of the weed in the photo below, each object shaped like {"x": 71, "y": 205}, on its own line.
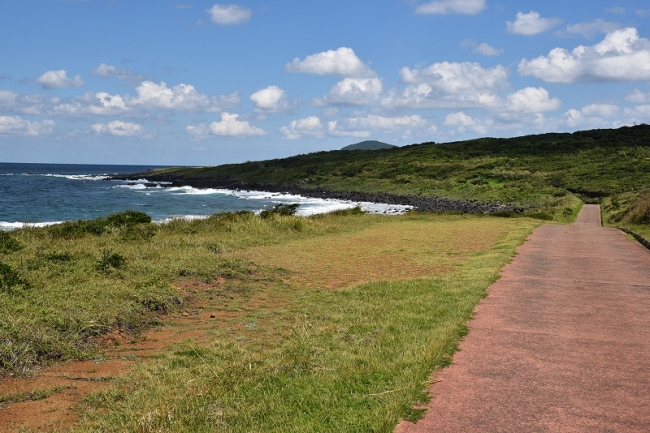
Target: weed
{"x": 110, "y": 260}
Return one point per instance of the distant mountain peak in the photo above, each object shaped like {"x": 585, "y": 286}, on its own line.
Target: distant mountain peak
{"x": 369, "y": 145}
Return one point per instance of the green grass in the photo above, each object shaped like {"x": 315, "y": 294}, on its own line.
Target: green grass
{"x": 356, "y": 359}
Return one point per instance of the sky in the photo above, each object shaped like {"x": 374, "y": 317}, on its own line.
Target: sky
{"x": 203, "y": 83}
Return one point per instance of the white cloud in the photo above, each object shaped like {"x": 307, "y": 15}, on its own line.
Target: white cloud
{"x": 457, "y": 77}
{"x": 12, "y": 102}
{"x": 638, "y": 114}
{"x": 592, "y": 116}
{"x": 487, "y": 50}
{"x": 470, "y": 7}
{"x": 616, "y": 10}
{"x": 365, "y": 126}
{"x": 182, "y": 97}
{"x": 105, "y": 70}
{"x": 117, "y": 128}
{"x": 355, "y": 91}
{"x": 58, "y": 79}
{"x": 93, "y": 104}
{"x": 531, "y": 100}
{"x": 621, "y": 56}
{"x": 15, "y": 125}
{"x": 310, "y": 126}
{"x": 229, "y": 14}
{"x": 228, "y": 126}
{"x": 270, "y": 100}
{"x": 531, "y": 23}
{"x": 342, "y": 61}
{"x": 445, "y": 85}
{"x": 638, "y": 96}
{"x": 462, "y": 122}
{"x": 589, "y": 29}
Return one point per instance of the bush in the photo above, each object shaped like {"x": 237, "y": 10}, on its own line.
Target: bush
{"x": 8, "y": 244}
{"x": 10, "y": 281}
{"x": 280, "y": 209}
{"x": 130, "y": 219}
{"x": 110, "y": 260}
{"x": 639, "y": 210}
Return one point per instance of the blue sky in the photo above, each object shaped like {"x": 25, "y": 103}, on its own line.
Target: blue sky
{"x": 204, "y": 83}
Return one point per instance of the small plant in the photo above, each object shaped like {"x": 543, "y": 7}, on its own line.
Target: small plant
{"x": 110, "y": 260}
{"x": 10, "y": 280}
{"x": 280, "y": 209}
{"x": 8, "y": 244}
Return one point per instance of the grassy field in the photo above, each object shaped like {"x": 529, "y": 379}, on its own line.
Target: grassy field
{"x": 327, "y": 323}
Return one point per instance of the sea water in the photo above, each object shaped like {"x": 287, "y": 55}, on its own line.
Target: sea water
{"x": 43, "y": 194}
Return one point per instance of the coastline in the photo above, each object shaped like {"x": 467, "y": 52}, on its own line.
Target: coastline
{"x": 419, "y": 203}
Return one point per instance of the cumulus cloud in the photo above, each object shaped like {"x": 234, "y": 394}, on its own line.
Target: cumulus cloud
{"x": 531, "y": 100}
{"x": 365, "y": 126}
{"x": 462, "y": 122}
{"x": 342, "y": 61}
{"x": 621, "y": 56}
{"x": 310, "y": 126}
{"x": 270, "y": 100}
{"x": 229, "y": 14}
{"x": 105, "y": 70}
{"x": 12, "y": 102}
{"x": 443, "y": 7}
{"x": 589, "y": 29}
{"x": 354, "y": 91}
{"x": 487, "y": 50}
{"x": 638, "y": 96}
{"x": 117, "y": 128}
{"x": 15, "y": 125}
{"x": 93, "y": 104}
{"x": 593, "y": 115}
{"x": 58, "y": 79}
{"x": 228, "y": 126}
{"x": 531, "y": 23}
{"x": 446, "y": 84}
{"x": 182, "y": 97}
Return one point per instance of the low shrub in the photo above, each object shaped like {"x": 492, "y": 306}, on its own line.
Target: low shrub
{"x": 8, "y": 244}
{"x": 10, "y": 280}
{"x": 280, "y": 209}
{"x": 110, "y": 260}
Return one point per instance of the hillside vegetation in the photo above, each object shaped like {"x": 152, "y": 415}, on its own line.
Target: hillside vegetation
{"x": 537, "y": 171}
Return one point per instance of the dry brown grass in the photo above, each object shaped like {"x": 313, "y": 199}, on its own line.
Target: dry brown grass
{"x": 405, "y": 248}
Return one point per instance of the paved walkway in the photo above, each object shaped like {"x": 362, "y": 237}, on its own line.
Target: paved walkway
{"x": 561, "y": 344}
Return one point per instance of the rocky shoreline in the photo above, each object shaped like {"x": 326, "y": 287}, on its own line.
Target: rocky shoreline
{"x": 420, "y": 203}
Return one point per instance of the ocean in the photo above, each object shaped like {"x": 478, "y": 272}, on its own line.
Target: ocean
{"x": 44, "y": 194}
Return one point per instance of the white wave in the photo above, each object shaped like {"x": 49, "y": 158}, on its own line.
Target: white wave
{"x": 180, "y": 217}
{"x": 7, "y": 226}
{"x": 135, "y": 186}
{"x": 73, "y": 176}
{"x": 188, "y": 190}
{"x": 312, "y": 206}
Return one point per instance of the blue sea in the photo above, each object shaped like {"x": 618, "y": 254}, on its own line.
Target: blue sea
{"x": 43, "y": 194}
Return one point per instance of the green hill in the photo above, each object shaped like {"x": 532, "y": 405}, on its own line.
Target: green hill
{"x": 369, "y": 145}
{"x": 535, "y": 171}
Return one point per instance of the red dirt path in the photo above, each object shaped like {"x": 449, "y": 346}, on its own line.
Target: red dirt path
{"x": 561, "y": 344}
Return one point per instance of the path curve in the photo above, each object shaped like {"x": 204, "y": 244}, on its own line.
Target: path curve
{"x": 561, "y": 344}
